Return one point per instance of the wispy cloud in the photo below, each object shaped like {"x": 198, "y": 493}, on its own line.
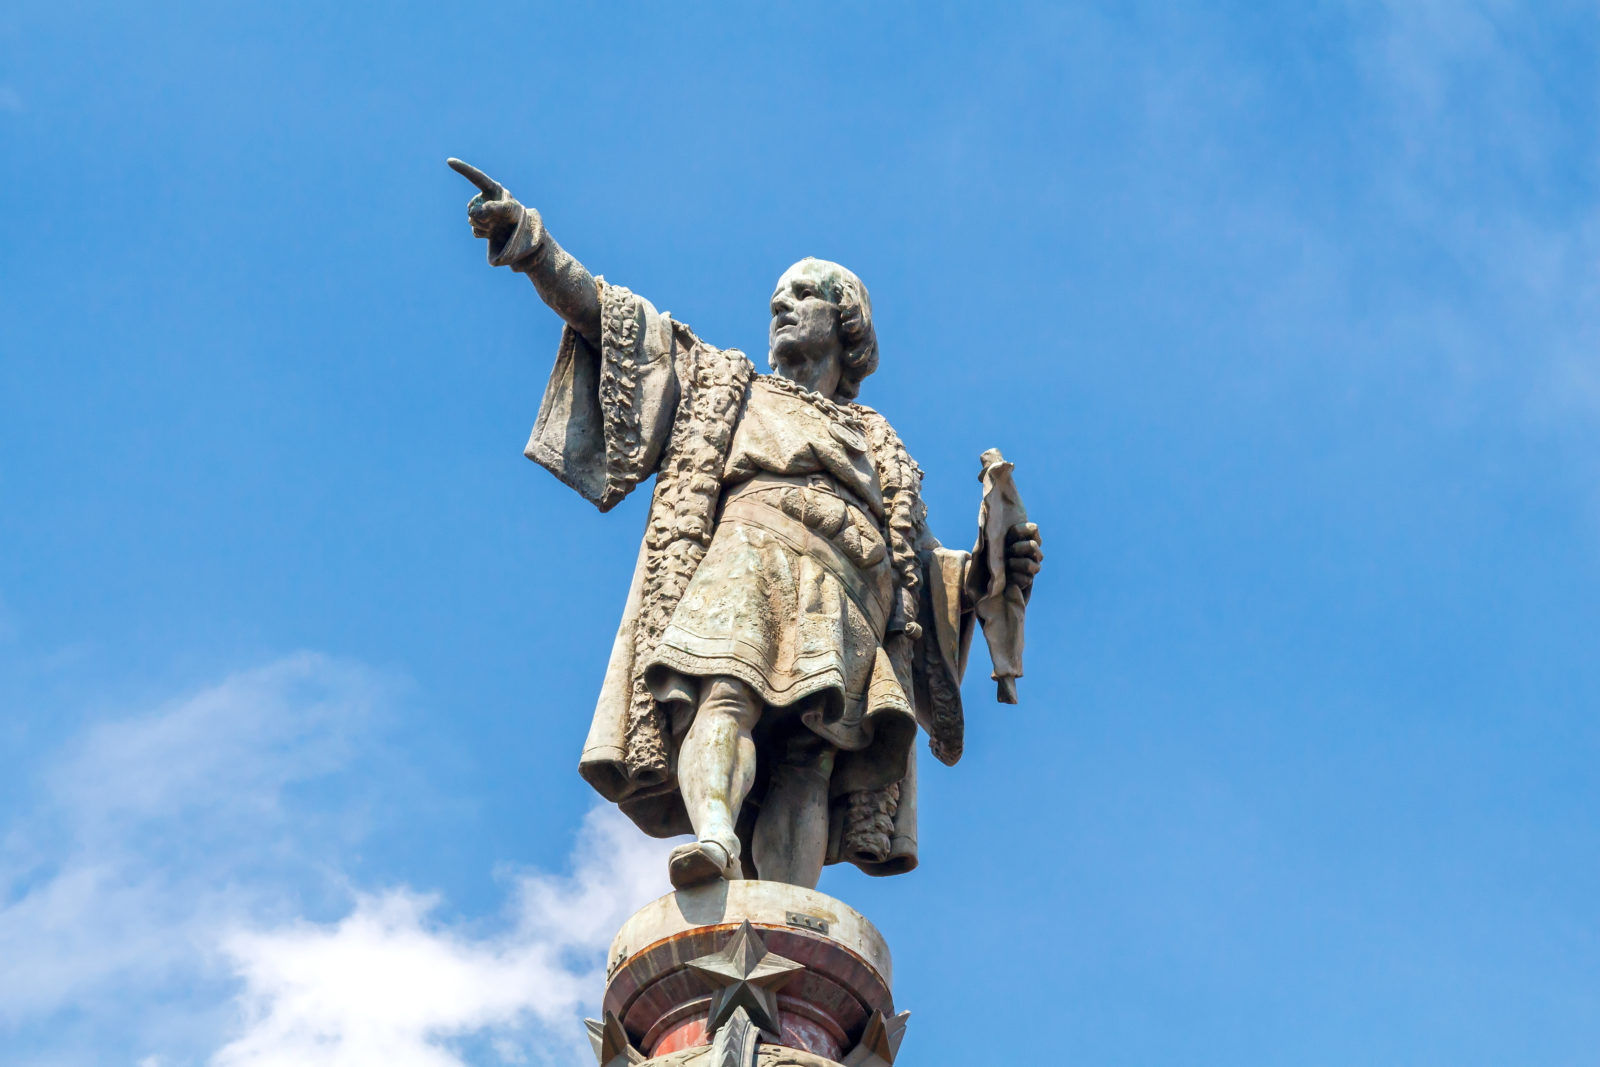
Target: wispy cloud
{"x": 1483, "y": 147}
{"x": 391, "y": 984}
{"x": 144, "y": 898}
{"x": 145, "y": 824}
{"x": 227, "y": 752}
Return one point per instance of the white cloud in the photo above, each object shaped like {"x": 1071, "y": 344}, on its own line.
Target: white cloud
{"x": 145, "y": 824}
{"x": 143, "y": 899}
{"x": 239, "y": 744}
{"x": 391, "y": 984}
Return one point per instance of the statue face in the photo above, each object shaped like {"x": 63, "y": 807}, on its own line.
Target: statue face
{"x": 805, "y": 323}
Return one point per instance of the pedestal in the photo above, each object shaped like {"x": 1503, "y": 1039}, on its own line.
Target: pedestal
{"x": 748, "y": 974}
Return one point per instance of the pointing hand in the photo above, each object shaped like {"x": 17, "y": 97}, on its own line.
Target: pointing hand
{"x": 513, "y": 231}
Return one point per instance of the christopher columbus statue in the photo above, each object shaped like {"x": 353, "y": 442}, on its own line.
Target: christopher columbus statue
{"x": 791, "y": 619}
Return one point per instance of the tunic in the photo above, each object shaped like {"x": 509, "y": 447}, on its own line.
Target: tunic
{"x": 795, "y": 594}
{"x": 769, "y": 557}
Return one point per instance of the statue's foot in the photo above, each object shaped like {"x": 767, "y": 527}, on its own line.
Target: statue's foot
{"x": 700, "y": 862}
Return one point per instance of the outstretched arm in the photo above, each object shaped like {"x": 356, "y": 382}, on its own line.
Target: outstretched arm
{"x": 517, "y": 239}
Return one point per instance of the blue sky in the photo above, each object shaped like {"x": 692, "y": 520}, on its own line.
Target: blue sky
{"x": 1286, "y": 313}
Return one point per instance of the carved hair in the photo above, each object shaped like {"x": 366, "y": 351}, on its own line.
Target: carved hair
{"x": 844, "y": 289}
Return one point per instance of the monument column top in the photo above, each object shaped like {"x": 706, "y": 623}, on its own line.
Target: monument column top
{"x": 771, "y": 904}
{"x": 731, "y": 962}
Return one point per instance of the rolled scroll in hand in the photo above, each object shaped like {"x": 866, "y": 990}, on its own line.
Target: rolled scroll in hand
{"x": 1001, "y": 605}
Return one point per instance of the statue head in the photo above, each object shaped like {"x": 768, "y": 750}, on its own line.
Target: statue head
{"x": 822, "y": 319}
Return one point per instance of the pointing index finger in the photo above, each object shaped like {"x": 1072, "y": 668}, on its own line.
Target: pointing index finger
{"x": 492, "y": 190}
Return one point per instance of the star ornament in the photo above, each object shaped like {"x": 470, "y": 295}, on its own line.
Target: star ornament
{"x": 880, "y": 1044}
{"x": 745, "y": 975}
{"x": 612, "y": 1048}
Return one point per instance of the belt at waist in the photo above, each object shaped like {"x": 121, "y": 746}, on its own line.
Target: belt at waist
{"x": 766, "y": 481}
{"x": 868, "y": 586}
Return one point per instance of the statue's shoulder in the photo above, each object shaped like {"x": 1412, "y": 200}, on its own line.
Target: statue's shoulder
{"x": 881, "y": 431}
{"x": 703, "y": 365}
{"x": 872, "y": 418}
{"x": 682, "y": 333}
{"x": 868, "y": 415}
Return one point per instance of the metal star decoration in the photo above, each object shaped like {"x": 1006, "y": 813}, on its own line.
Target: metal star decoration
{"x": 611, "y": 1045}
{"x": 745, "y": 975}
{"x": 881, "y": 1042}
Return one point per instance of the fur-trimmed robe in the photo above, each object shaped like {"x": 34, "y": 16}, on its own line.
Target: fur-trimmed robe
{"x": 657, "y": 399}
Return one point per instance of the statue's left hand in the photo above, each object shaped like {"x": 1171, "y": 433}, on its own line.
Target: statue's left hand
{"x": 1024, "y": 556}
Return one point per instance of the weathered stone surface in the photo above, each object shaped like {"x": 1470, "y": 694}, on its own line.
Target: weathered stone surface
{"x": 764, "y": 904}
{"x": 808, "y": 972}
{"x": 736, "y": 1041}
{"x": 766, "y": 1056}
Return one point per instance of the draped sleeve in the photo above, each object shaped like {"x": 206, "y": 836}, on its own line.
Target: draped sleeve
{"x": 607, "y": 415}
{"x": 940, "y": 656}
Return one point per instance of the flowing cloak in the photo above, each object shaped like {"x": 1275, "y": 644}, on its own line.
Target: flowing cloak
{"x": 786, "y": 545}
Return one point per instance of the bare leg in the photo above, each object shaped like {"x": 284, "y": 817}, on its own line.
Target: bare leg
{"x": 791, "y": 835}
{"x": 716, "y": 768}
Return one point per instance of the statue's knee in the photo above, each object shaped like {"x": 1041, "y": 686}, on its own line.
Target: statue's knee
{"x": 733, "y": 698}
{"x": 805, "y": 751}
